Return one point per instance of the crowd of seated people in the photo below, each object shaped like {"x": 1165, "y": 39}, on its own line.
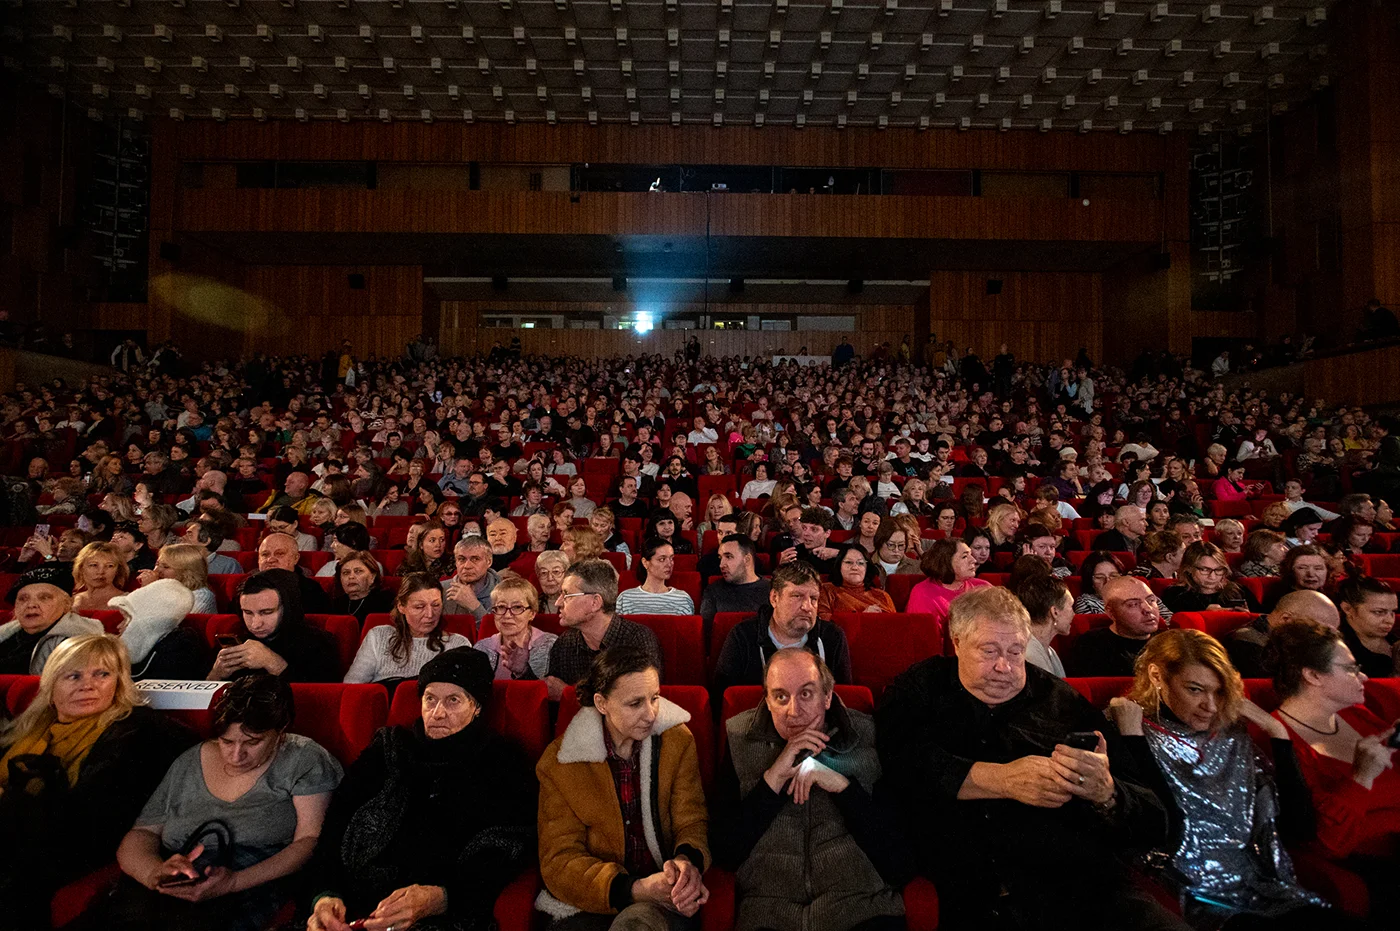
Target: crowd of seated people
{"x": 468, "y": 525}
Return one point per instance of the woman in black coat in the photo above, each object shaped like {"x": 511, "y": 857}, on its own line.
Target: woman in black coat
{"x": 78, "y": 765}
{"x": 432, "y": 822}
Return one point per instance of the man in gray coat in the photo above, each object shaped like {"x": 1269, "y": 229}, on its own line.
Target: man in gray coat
{"x": 796, "y": 817}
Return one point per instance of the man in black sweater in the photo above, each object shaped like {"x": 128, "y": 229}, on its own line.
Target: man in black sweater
{"x": 739, "y": 588}
{"x": 788, "y": 620}
{"x": 1112, "y": 650}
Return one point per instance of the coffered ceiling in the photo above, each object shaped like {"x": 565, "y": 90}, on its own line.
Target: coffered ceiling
{"x": 1088, "y": 65}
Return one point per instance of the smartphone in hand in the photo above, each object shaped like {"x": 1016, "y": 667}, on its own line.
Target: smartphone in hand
{"x": 1081, "y": 740}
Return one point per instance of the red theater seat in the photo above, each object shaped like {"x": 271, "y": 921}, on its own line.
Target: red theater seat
{"x": 884, "y": 645}
{"x": 1099, "y": 691}
{"x": 1216, "y": 623}
{"x": 341, "y": 718}
{"x": 899, "y": 586}
{"x": 682, "y": 645}
{"x": 111, "y": 620}
{"x": 519, "y": 711}
{"x": 16, "y": 692}
{"x": 693, "y": 698}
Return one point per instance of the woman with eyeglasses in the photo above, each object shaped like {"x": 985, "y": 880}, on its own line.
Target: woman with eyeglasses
{"x": 1206, "y": 584}
{"x": 853, "y": 587}
{"x": 1343, "y": 751}
{"x": 891, "y": 549}
{"x": 1098, "y": 569}
{"x": 391, "y": 652}
{"x": 517, "y": 650}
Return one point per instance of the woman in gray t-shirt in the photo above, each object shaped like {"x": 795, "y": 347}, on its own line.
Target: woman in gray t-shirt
{"x": 233, "y": 818}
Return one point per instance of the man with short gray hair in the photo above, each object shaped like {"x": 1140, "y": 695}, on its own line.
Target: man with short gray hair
{"x": 587, "y": 612}
{"x": 469, "y": 591}
{"x": 1004, "y": 810}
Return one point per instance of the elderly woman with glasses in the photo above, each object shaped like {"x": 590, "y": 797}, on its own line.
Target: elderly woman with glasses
{"x": 518, "y": 650}
{"x": 1206, "y": 584}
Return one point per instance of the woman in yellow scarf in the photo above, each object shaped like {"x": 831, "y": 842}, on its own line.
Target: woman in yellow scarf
{"x": 77, "y": 766}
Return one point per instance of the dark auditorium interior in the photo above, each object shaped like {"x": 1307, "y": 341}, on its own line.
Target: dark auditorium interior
{"x": 931, "y": 461}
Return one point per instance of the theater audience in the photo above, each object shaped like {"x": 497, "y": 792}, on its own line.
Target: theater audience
{"x": 627, "y": 748}
{"x": 1097, "y": 570}
{"x": 973, "y": 748}
{"x": 1229, "y": 536}
{"x": 398, "y": 650}
{"x": 949, "y": 571}
{"x": 1205, "y": 584}
{"x": 1342, "y": 750}
{"x": 1129, "y": 525}
{"x": 43, "y": 619}
{"x": 580, "y": 543}
{"x": 1051, "y": 608}
{"x": 518, "y": 650}
{"x": 1246, "y": 645}
{"x": 1184, "y": 721}
{"x": 1263, "y": 554}
{"x": 550, "y": 568}
{"x": 357, "y": 590}
{"x": 407, "y": 840}
{"x": 159, "y": 645}
{"x": 810, "y": 847}
{"x": 274, "y": 636}
{"x": 788, "y": 620}
{"x": 588, "y": 614}
{"x": 99, "y": 575}
{"x": 853, "y": 587}
{"x": 239, "y": 814}
{"x": 1135, "y": 615}
{"x": 538, "y": 530}
{"x": 469, "y": 590}
{"x": 655, "y": 595}
{"x": 1368, "y": 620}
{"x": 77, "y": 765}
{"x": 739, "y": 588}
{"x": 1304, "y": 568}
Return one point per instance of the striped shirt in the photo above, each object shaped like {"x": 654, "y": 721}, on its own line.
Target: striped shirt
{"x": 374, "y": 664}
{"x": 640, "y": 601}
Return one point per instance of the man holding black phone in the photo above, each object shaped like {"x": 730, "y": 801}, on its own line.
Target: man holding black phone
{"x": 1012, "y": 821}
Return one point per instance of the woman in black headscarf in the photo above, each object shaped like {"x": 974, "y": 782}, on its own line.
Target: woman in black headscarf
{"x": 432, "y": 821}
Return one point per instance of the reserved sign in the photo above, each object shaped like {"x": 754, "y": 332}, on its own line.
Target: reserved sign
{"x": 179, "y": 694}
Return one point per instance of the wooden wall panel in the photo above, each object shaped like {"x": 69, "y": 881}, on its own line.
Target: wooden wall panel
{"x": 309, "y": 309}
{"x": 730, "y": 145}
{"x": 559, "y": 213}
{"x": 1041, "y": 316}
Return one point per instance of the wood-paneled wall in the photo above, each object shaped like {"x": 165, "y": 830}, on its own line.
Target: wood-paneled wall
{"x": 875, "y": 324}
{"x": 559, "y": 213}
{"x": 1040, "y": 316}
{"x": 690, "y": 145}
{"x": 309, "y": 309}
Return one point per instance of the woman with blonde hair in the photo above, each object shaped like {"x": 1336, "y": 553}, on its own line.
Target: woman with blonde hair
{"x": 121, "y": 507}
{"x": 186, "y": 564}
{"x": 79, "y": 762}
{"x": 718, "y": 506}
{"x": 1002, "y": 523}
{"x": 1184, "y": 721}
{"x": 913, "y": 500}
{"x": 538, "y": 529}
{"x": 99, "y": 575}
{"x": 518, "y": 650}
{"x": 1229, "y": 535}
{"x": 580, "y": 543}
{"x": 913, "y": 534}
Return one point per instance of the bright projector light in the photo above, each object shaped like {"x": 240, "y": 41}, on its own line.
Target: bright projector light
{"x": 644, "y": 323}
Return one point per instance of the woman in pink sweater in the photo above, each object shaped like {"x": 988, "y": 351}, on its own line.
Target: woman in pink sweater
{"x": 950, "y": 571}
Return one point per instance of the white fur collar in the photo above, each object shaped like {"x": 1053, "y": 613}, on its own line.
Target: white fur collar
{"x": 583, "y": 740}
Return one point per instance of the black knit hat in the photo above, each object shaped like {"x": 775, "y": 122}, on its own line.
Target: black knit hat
{"x": 1301, "y": 518}
{"x": 466, "y": 667}
{"x": 57, "y": 574}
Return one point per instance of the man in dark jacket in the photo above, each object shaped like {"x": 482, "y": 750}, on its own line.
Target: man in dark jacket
{"x": 789, "y": 621}
{"x": 1018, "y": 829}
{"x": 795, "y": 817}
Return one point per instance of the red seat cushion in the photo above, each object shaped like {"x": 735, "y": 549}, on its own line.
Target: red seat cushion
{"x": 884, "y": 645}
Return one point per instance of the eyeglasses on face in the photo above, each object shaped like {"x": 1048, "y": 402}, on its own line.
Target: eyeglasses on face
{"x": 510, "y": 610}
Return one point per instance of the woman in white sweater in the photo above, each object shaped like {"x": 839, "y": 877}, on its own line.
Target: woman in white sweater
{"x": 398, "y": 650}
